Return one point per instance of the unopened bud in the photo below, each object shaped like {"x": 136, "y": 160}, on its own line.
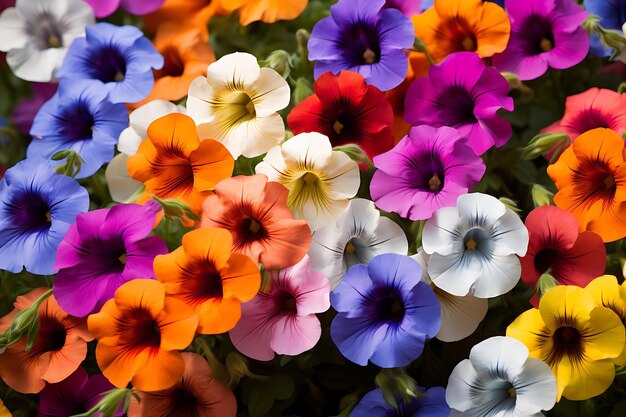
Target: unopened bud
{"x": 546, "y": 283}
{"x": 279, "y": 61}
{"x": 176, "y": 209}
{"x": 355, "y": 153}
{"x": 541, "y": 196}
{"x": 113, "y": 402}
{"x": 545, "y": 143}
{"x": 25, "y": 323}
{"x": 302, "y": 90}
{"x": 396, "y": 386}
{"x": 510, "y": 204}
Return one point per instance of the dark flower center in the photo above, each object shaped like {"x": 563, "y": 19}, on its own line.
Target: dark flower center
{"x": 51, "y": 337}
{"x": 361, "y": 44}
{"x": 176, "y": 174}
{"x": 108, "y": 65}
{"x": 201, "y": 282}
{"x": 458, "y": 34}
{"x": 460, "y": 107}
{"x": 173, "y": 65}
{"x": 183, "y": 404}
{"x": 594, "y": 181}
{"x": 139, "y": 330}
{"x": 247, "y": 231}
{"x": 28, "y": 212}
{"x": 544, "y": 260}
{"x": 76, "y": 122}
{"x": 426, "y": 172}
{"x": 343, "y": 128}
{"x": 566, "y": 341}
{"x": 538, "y": 35}
{"x": 590, "y": 119}
{"x": 46, "y": 31}
{"x": 476, "y": 240}
{"x": 387, "y": 305}
{"x": 286, "y": 302}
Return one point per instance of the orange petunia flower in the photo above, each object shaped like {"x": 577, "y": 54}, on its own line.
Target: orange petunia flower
{"x": 59, "y": 349}
{"x": 4, "y": 412}
{"x": 204, "y": 274}
{"x": 463, "y": 25}
{"x": 174, "y": 164}
{"x": 268, "y": 11}
{"x": 187, "y": 55}
{"x": 139, "y": 333}
{"x": 256, "y": 214}
{"x": 591, "y": 178}
{"x": 184, "y": 13}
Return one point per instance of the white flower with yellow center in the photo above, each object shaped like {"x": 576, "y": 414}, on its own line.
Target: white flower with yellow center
{"x": 320, "y": 181}
{"x": 237, "y": 103}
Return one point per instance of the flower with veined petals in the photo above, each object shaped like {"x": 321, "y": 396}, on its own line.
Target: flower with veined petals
{"x": 431, "y": 403}
{"x": 608, "y": 293}
{"x": 591, "y": 178}
{"x": 140, "y": 332}
{"x": 463, "y": 25}
{"x": 320, "y": 181}
{"x": 576, "y": 338}
{"x": 358, "y": 235}
{"x": 264, "y": 10}
{"x": 474, "y": 247}
{"x": 500, "y": 379}
{"x": 237, "y": 104}
{"x": 197, "y": 393}
{"x": 347, "y": 110}
{"x": 210, "y": 279}
{"x": 104, "y": 8}
{"x": 283, "y": 319}
{"x": 37, "y": 35}
{"x": 256, "y": 214}
{"x": 174, "y": 164}
{"x": 59, "y": 349}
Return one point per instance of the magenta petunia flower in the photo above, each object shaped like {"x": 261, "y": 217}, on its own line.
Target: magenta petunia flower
{"x": 408, "y": 7}
{"x": 428, "y": 169}
{"x": 283, "y": 319}
{"x": 104, "y": 8}
{"x": 103, "y": 250}
{"x": 544, "y": 33}
{"x": 463, "y": 93}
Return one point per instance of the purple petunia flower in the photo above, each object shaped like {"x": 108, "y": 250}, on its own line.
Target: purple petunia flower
{"x": 119, "y": 56}
{"x": 104, "y": 8}
{"x": 431, "y": 404}
{"x": 79, "y": 117}
{"x": 428, "y": 169}
{"x": 27, "y": 108}
{"x": 463, "y": 93}
{"x": 37, "y": 207}
{"x": 408, "y": 7}
{"x": 361, "y": 36}
{"x": 103, "y": 250}
{"x": 385, "y": 313}
{"x": 543, "y": 34}
{"x": 76, "y": 394}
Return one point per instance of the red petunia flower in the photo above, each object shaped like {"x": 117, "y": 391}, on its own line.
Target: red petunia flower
{"x": 348, "y": 111}
{"x": 555, "y": 245}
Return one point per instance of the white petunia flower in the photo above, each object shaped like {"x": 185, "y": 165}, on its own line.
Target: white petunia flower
{"x": 237, "y": 103}
{"x": 358, "y": 234}
{"x": 474, "y": 247}
{"x": 460, "y": 316}
{"x": 500, "y": 380}
{"x": 121, "y": 185}
{"x": 320, "y": 181}
{"x": 37, "y": 33}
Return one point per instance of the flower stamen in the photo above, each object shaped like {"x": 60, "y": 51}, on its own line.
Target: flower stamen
{"x": 338, "y": 127}
{"x": 369, "y": 56}
{"x": 546, "y": 45}
{"x": 471, "y": 244}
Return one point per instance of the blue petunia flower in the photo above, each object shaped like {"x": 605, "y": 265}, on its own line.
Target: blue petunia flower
{"x": 119, "y": 56}
{"x": 385, "y": 313}
{"x": 432, "y": 404}
{"x": 363, "y": 37}
{"x": 79, "y": 117}
{"x": 37, "y": 207}
{"x": 612, "y": 14}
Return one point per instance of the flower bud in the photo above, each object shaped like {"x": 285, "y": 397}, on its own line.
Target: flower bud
{"x": 544, "y": 143}
{"x": 541, "y": 196}
{"x": 279, "y": 61}
{"x": 546, "y": 283}
{"x": 302, "y": 90}
{"x": 111, "y": 403}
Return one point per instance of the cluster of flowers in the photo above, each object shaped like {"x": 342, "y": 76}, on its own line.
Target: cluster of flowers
{"x": 225, "y": 221}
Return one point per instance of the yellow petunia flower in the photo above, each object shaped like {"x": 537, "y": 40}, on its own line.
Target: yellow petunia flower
{"x": 578, "y": 339}
{"x": 3, "y": 410}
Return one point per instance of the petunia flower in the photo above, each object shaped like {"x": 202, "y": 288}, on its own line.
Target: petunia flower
{"x": 460, "y": 315}
{"x": 474, "y": 247}
{"x": 428, "y": 169}
{"x": 119, "y": 56}
{"x": 283, "y": 319}
{"x": 210, "y": 279}
{"x": 174, "y": 164}
{"x": 237, "y": 104}
{"x": 26, "y": 108}
{"x": 385, "y": 313}
{"x": 184, "y": 14}
{"x": 408, "y": 7}
{"x": 612, "y": 14}
{"x": 355, "y": 237}
{"x": 431, "y": 403}
{"x": 59, "y": 349}
{"x": 4, "y": 412}
{"x": 197, "y": 393}
{"x": 463, "y": 93}
{"x": 320, "y": 181}
{"x": 255, "y": 212}
{"x": 347, "y": 110}
{"x": 363, "y": 37}
{"x": 556, "y": 247}
{"x": 105, "y": 8}
{"x": 104, "y": 249}
{"x": 500, "y": 378}
{"x": 76, "y": 394}
{"x": 265, "y": 11}
{"x": 576, "y": 338}
{"x": 608, "y": 293}
{"x": 140, "y": 332}
{"x": 463, "y": 26}
{"x": 543, "y": 34}
{"x": 590, "y": 176}
{"x": 79, "y": 117}
{"x": 37, "y": 34}
{"x": 37, "y": 208}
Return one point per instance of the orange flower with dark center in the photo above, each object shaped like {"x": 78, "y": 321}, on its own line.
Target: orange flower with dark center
{"x": 204, "y": 274}
{"x": 139, "y": 333}
{"x": 59, "y": 349}
{"x": 174, "y": 164}
{"x": 463, "y": 25}
{"x": 591, "y": 178}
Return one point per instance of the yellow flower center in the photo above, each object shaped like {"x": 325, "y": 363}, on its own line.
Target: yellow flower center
{"x": 546, "y": 45}
{"x": 54, "y": 41}
{"x": 254, "y": 226}
{"x": 119, "y": 77}
{"x": 310, "y": 178}
{"x": 350, "y": 248}
{"x": 471, "y": 244}
{"x": 122, "y": 259}
{"x": 48, "y": 218}
{"x": 469, "y": 44}
{"x": 512, "y": 392}
{"x": 338, "y": 127}
{"x": 369, "y": 56}
{"x": 434, "y": 183}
